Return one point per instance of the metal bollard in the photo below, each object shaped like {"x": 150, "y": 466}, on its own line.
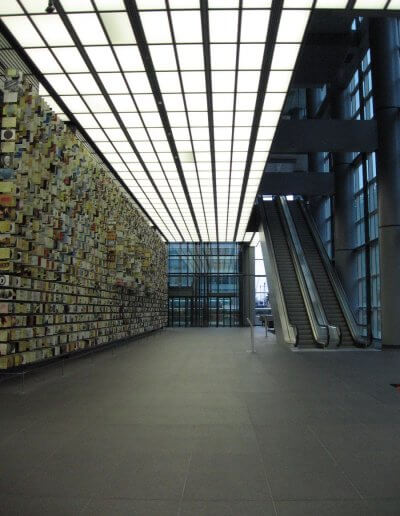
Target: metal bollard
{"x": 252, "y": 350}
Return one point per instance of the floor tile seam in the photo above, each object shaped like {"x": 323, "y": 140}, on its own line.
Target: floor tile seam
{"x": 86, "y": 505}
{"x": 334, "y": 500}
{"x": 38, "y": 465}
{"x": 35, "y": 469}
{"x": 134, "y": 499}
{"x": 336, "y": 463}
{"x": 261, "y": 499}
{"x": 184, "y": 483}
{"x": 359, "y": 389}
{"x": 262, "y": 463}
{"x": 380, "y": 498}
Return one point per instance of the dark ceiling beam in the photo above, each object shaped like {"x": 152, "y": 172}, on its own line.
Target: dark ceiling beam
{"x": 137, "y": 27}
{"x": 210, "y": 110}
{"x": 352, "y": 13}
{"x": 297, "y": 183}
{"x": 104, "y": 92}
{"x": 329, "y": 57}
{"x": 276, "y": 9}
{"x": 302, "y": 136}
{"x": 46, "y": 84}
{"x": 239, "y": 32}
{"x": 128, "y": 87}
{"x": 332, "y": 40}
{"x": 171, "y": 27}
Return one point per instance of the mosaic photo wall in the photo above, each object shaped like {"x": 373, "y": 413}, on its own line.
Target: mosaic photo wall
{"x": 79, "y": 265}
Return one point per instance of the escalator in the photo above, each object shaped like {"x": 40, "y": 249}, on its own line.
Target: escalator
{"x": 307, "y": 295}
{"x": 325, "y": 289}
{"x": 296, "y": 310}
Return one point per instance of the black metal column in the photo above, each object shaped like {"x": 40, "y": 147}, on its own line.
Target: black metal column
{"x": 315, "y": 159}
{"x": 343, "y": 207}
{"x": 384, "y": 43}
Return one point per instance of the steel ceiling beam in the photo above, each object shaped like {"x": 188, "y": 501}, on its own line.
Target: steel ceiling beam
{"x": 276, "y": 11}
{"x": 210, "y": 110}
{"x": 91, "y": 68}
{"x": 42, "y": 79}
{"x": 171, "y": 27}
{"x": 137, "y": 28}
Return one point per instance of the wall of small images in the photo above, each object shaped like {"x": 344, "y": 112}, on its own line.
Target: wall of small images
{"x": 79, "y": 265}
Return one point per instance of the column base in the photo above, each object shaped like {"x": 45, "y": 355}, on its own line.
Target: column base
{"x": 389, "y": 244}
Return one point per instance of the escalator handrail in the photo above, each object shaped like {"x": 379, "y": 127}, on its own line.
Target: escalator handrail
{"x": 324, "y": 333}
{"x": 289, "y": 331}
{"x": 353, "y": 325}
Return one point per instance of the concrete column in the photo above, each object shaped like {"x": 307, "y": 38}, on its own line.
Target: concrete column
{"x": 343, "y": 207}
{"x": 386, "y": 86}
{"x": 248, "y": 292}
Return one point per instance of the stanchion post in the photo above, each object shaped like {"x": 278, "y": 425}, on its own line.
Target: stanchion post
{"x": 23, "y": 382}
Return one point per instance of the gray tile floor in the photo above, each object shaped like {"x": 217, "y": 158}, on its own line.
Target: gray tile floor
{"x": 186, "y": 422}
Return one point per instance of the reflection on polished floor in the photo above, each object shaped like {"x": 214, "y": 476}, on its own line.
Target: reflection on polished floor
{"x": 187, "y": 422}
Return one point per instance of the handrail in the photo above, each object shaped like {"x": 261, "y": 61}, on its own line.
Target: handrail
{"x": 353, "y": 325}
{"x": 289, "y": 331}
{"x": 252, "y": 336}
{"x": 324, "y": 333}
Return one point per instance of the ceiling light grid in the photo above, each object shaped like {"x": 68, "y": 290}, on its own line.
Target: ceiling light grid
{"x": 287, "y": 28}
{"x": 206, "y": 86}
{"x": 119, "y": 161}
{"x": 112, "y": 28}
{"x": 186, "y": 148}
{"x": 104, "y": 122}
{"x": 107, "y": 31}
{"x": 223, "y": 113}
{"x": 251, "y": 39}
{"x": 224, "y": 189}
{"x": 144, "y": 205}
{"x": 145, "y": 33}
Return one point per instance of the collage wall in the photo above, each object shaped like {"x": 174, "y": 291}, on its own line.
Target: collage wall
{"x": 79, "y": 265}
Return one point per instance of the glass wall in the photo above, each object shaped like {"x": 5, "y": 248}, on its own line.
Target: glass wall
{"x": 261, "y": 302}
{"x": 365, "y": 207}
{"x": 204, "y": 284}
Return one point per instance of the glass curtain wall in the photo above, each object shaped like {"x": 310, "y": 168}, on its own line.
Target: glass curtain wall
{"x": 327, "y": 211}
{"x": 204, "y": 284}
{"x": 365, "y": 207}
{"x": 262, "y": 304}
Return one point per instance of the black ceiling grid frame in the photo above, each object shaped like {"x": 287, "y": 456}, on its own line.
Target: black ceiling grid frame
{"x": 234, "y": 109}
{"x": 42, "y": 79}
{"x": 91, "y": 112}
{"x": 10, "y": 58}
{"x": 137, "y": 27}
{"x": 171, "y": 27}
{"x": 138, "y": 111}
{"x": 88, "y": 63}
{"x": 350, "y": 5}
{"x": 205, "y": 29}
{"x": 276, "y": 11}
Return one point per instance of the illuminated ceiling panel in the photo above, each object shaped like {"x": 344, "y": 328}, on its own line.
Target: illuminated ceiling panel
{"x": 180, "y": 97}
